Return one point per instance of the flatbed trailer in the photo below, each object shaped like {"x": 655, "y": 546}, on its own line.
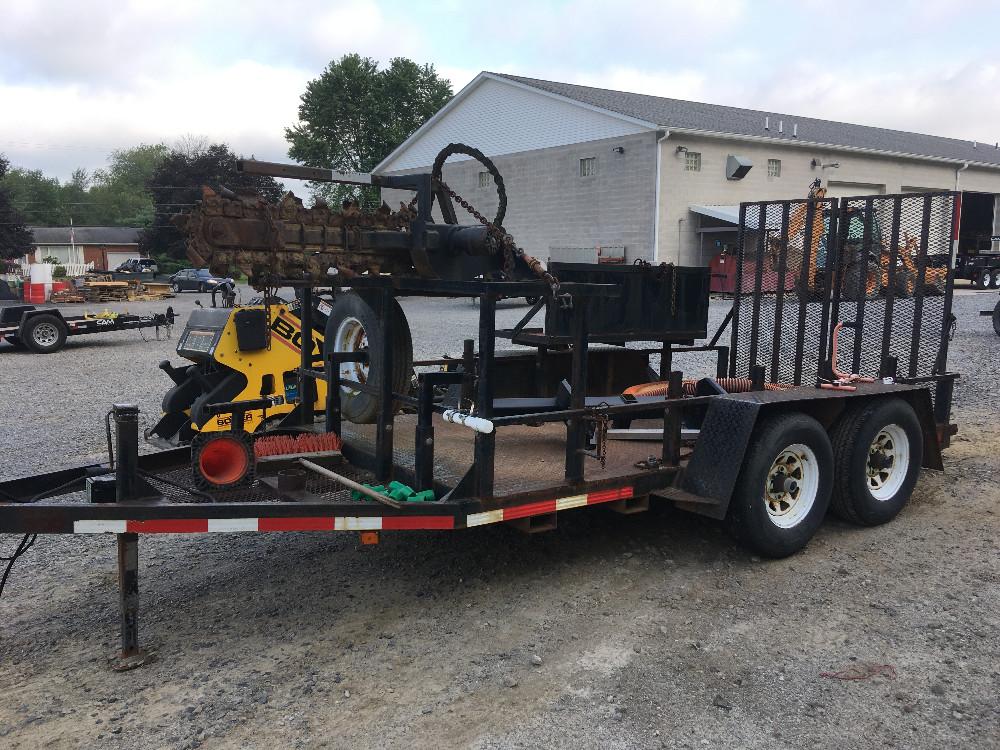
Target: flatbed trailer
{"x": 499, "y": 447}
{"x": 44, "y": 330}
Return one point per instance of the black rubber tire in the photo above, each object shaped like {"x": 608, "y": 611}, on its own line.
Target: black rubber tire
{"x": 362, "y": 408}
{"x": 34, "y": 322}
{"x": 852, "y": 438}
{"x": 531, "y": 300}
{"x": 996, "y": 319}
{"x": 748, "y": 519}
{"x": 996, "y": 277}
{"x": 983, "y": 280}
{"x": 176, "y": 287}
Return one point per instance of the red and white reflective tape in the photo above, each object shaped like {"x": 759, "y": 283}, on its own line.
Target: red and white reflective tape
{"x": 343, "y": 523}
{"x": 301, "y": 523}
{"x": 547, "y": 506}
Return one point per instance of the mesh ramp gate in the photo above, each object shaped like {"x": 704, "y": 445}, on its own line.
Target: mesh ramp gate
{"x": 880, "y": 265}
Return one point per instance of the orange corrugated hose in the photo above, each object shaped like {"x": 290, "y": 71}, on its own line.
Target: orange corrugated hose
{"x": 732, "y": 385}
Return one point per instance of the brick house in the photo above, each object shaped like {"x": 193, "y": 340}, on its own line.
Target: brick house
{"x": 105, "y": 247}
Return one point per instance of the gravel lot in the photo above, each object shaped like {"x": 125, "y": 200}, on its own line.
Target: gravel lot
{"x": 613, "y": 631}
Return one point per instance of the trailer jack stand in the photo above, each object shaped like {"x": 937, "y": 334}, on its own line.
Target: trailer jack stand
{"x": 130, "y": 656}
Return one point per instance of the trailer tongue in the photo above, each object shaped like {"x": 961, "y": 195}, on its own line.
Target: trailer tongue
{"x": 792, "y": 421}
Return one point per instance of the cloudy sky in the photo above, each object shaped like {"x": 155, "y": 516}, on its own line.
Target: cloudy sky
{"x": 79, "y": 78}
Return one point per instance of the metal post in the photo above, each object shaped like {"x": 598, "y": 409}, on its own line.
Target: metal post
{"x": 758, "y": 284}
{"x": 131, "y": 655}
{"x": 307, "y": 386}
{"x": 333, "y": 408}
{"x": 889, "y": 366}
{"x": 861, "y": 290}
{"x": 468, "y": 370}
{"x": 666, "y": 359}
{"x": 831, "y": 290}
{"x": 779, "y": 302}
{"x": 485, "y": 447}
{"x": 386, "y": 410}
{"x": 424, "y": 454}
{"x": 737, "y": 291}
{"x": 890, "y": 290}
{"x": 126, "y": 418}
{"x": 918, "y": 290}
{"x": 672, "y": 421}
{"x": 943, "y": 394}
{"x": 757, "y": 375}
{"x": 722, "y": 363}
{"x": 576, "y": 427}
{"x": 806, "y": 278}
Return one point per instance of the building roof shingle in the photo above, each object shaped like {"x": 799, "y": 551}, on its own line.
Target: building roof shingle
{"x": 715, "y": 118}
{"x": 86, "y": 235}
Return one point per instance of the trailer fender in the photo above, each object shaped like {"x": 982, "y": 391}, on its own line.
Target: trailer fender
{"x": 34, "y": 312}
{"x": 728, "y": 428}
{"x": 718, "y": 454}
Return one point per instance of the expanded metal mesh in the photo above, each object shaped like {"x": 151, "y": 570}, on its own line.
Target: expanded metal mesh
{"x": 877, "y": 264}
{"x": 781, "y": 297}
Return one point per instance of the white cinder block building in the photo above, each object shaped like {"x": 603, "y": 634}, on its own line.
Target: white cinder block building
{"x": 596, "y": 172}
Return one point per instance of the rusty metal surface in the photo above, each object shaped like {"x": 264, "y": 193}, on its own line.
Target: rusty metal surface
{"x": 289, "y": 240}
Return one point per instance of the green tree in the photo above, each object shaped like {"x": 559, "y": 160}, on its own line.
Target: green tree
{"x": 35, "y": 196}
{"x": 176, "y": 185}
{"x": 74, "y": 198}
{"x": 119, "y": 196}
{"x": 15, "y": 237}
{"x": 354, "y": 115}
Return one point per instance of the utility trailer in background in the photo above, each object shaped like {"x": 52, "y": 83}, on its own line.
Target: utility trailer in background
{"x": 795, "y": 420}
{"x": 44, "y": 330}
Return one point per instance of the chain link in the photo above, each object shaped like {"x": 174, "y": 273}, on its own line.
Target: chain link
{"x": 510, "y": 248}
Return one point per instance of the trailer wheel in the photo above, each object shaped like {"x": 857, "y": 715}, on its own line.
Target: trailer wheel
{"x": 783, "y": 491}
{"x": 353, "y": 325}
{"x": 984, "y": 279}
{"x": 996, "y": 278}
{"x": 878, "y": 449}
{"x": 44, "y": 334}
{"x": 996, "y": 319}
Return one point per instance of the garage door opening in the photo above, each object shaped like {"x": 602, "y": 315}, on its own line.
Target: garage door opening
{"x": 977, "y": 225}
{"x": 978, "y": 257}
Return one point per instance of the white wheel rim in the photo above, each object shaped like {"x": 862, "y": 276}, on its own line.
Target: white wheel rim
{"x": 888, "y": 462}
{"x": 45, "y": 334}
{"x": 351, "y": 337}
{"x": 987, "y": 279}
{"x": 791, "y": 486}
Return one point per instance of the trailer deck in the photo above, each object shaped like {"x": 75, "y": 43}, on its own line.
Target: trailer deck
{"x": 493, "y": 458}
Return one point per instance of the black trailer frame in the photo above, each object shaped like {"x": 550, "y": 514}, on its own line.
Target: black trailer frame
{"x": 154, "y": 493}
{"x": 15, "y": 322}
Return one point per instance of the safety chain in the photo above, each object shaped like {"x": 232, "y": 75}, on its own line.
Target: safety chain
{"x": 510, "y": 247}
{"x": 664, "y": 268}
{"x": 601, "y": 423}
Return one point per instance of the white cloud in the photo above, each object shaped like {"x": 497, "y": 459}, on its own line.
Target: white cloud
{"x": 247, "y": 105}
{"x": 79, "y": 78}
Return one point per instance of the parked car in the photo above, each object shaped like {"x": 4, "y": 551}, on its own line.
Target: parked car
{"x": 138, "y": 265}
{"x": 196, "y": 280}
